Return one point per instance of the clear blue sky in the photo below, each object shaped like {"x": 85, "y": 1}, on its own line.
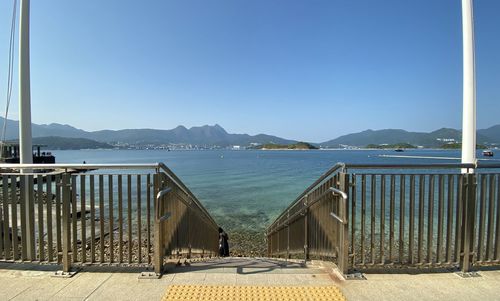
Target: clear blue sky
{"x": 309, "y": 70}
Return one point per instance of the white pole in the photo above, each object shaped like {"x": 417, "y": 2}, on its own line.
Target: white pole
{"x": 25, "y": 143}
{"x": 469, "y": 86}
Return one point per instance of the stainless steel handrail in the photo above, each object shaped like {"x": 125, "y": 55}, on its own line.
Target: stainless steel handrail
{"x": 343, "y": 196}
{"x": 158, "y": 197}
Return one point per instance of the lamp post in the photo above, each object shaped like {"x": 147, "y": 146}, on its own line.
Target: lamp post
{"x": 469, "y": 87}
{"x": 25, "y": 143}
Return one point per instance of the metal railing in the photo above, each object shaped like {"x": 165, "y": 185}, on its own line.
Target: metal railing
{"x": 383, "y": 216}
{"x": 134, "y": 214}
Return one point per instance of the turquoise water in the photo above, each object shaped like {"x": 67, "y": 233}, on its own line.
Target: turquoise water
{"x": 248, "y": 189}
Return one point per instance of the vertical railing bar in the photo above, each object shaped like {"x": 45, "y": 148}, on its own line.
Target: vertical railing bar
{"x": 402, "y": 205}
{"x": 306, "y": 233}
{"x": 440, "y": 219}
{"x": 382, "y": 219}
{"x": 392, "y": 214}
{"x": 66, "y": 222}
{"x": 491, "y": 217}
{"x": 50, "y": 227}
{"x": 41, "y": 253}
{"x": 353, "y": 201}
{"x": 13, "y": 207}
{"x": 129, "y": 216}
{"x": 458, "y": 218}
{"x": 373, "y": 214}
{"x": 83, "y": 218}
{"x": 469, "y": 217}
{"x": 344, "y": 229}
{"x": 6, "y": 219}
{"x": 3, "y": 222}
{"x": 22, "y": 206}
{"x": 430, "y": 219}
{"x": 482, "y": 219}
{"x": 449, "y": 219}
{"x": 92, "y": 218}
{"x": 31, "y": 216}
{"x": 363, "y": 217}
{"x": 139, "y": 223}
{"x": 120, "y": 219}
{"x": 111, "y": 220}
{"x": 497, "y": 231}
{"x": 148, "y": 216}
{"x": 73, "y": 216}
{"x": 101, "y": 218}
{"x": 58, "y": 187}
{"x": 421, "y": 203}
{"x": 412, "y": 220}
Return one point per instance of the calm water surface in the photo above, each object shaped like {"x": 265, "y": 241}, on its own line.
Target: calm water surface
{"x": 248, "y": 188}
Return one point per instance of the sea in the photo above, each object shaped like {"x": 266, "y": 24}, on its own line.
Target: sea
{"x": 248, "y": 189}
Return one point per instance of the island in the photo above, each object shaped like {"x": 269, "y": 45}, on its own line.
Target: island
{"x": 295, "y": 146}
{"x": 391, "y": 146}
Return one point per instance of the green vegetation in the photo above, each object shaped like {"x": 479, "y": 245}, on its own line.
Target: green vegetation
{"x": 390, "y": 146}
{"x": 298, "y": 145}
{"x": 459, "y": 146}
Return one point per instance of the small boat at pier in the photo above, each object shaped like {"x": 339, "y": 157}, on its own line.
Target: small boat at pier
{"x": 488, "y": 153}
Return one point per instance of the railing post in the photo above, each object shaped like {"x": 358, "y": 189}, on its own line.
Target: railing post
{"x": 306, "y": 229}
{"x": 469, "y": 213}
{"x": 27, "y": 217}
{"x": 344, "y": 228}
{"x": 66, "y": 232}
{"x": 278, "y": 244}
{"x": 158, "y": 248}
{"x": 288, "y": 235}
{"x": 188, "y": 209}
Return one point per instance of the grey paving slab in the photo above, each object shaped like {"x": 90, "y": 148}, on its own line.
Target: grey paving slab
{"x": 435, "y": 286}
{"x": 83, "y": 285}
{"x": 252, "y": 279}
{"x": 220, "y": 279}
{"x": 122, "y": 286}
{"x": 11, "y": 287}
{"x": 43, "y": 288}
{"x": 189, "y": 278}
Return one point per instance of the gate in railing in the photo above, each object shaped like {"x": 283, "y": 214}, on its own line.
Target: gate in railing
{"x": 363, "y": 217}
{"x": 115, "y": 214}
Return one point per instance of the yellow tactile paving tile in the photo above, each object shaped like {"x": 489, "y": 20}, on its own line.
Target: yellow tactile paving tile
{"x": 264, "y": 293}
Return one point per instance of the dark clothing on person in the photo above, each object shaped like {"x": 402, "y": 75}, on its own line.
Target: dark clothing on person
{"x": 223, "y": 243}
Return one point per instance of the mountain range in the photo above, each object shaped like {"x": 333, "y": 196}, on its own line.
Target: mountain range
{"x": 216, "y": 135}
{"x": 393, "y": 136}
{"x": 202, "y": 135}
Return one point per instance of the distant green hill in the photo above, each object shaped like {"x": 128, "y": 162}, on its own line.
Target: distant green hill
{"x": 297, "y": 146}
{"x": 397, "y": 136}
{"x": 492, "y": 134}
